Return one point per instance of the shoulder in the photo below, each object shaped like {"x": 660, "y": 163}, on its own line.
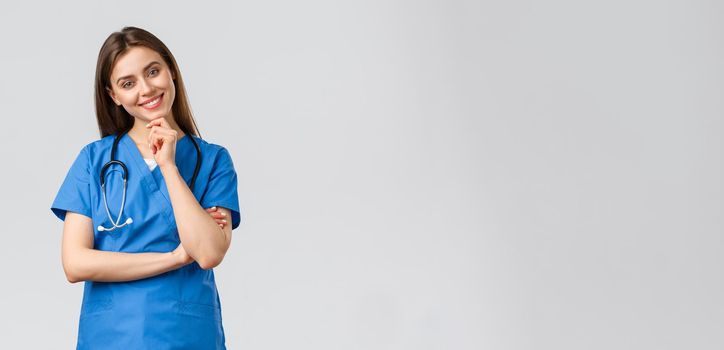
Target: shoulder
{"x": 92, "y": 149}
{"x": 94, "y": 153}
{"x": 98, "y": 146}
{"x": 210, "y": 149}
{"x": 215, "y": 156}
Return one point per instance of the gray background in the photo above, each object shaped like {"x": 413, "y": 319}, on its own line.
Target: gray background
{"x": 412, "y": 175}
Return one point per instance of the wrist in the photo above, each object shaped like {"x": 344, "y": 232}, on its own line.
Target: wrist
{"x": 176, "y": 259}
{"x": 168, "y": 169}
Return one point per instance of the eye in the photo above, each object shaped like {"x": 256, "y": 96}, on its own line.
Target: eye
{"x": 152, "y": 72}
{"x": 126, "y": 84}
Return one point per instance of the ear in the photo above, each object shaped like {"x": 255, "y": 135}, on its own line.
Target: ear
{"x": 113, "y": 96}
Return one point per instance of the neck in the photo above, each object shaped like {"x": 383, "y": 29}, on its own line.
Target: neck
{"x": 139, "y": 132}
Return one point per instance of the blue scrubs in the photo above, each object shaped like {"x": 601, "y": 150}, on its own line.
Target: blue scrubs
{"x": 179, "y": 309}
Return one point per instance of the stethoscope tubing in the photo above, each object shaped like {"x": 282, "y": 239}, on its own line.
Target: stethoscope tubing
{"x": 124, "y": 173}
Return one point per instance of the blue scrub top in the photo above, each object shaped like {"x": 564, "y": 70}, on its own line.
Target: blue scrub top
{"x": 179, "y": 309}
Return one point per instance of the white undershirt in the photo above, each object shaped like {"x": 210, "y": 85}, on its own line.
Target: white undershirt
{"x": 151, "y": 163}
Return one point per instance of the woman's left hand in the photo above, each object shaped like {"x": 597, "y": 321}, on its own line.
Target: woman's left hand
{"x": 162, "y": 141}
{"x": 218, "y": 215}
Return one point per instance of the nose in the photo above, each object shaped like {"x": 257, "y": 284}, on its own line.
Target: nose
{"x": 146, "y": 88}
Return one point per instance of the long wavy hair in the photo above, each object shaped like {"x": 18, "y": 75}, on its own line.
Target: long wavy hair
{"x": 113, "y": 119}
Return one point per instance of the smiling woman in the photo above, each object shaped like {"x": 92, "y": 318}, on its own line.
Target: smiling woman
{"x": 154, "y": 79}
{"x": 133, "y": 65}
{"x": 149, "y": 282}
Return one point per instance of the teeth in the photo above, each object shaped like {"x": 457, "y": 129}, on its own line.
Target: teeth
{"x": 152, "y": 102}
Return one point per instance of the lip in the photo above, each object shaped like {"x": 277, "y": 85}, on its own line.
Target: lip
{"x": 160, "y": 97}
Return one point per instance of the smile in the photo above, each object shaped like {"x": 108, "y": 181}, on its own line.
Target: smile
{"x": 153, "y": 103}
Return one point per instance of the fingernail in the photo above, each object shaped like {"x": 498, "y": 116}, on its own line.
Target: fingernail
{"x": 223, "y": 214}
{"x": 223, "y": 220}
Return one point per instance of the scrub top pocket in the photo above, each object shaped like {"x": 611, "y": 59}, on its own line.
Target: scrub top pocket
{"x": 95, "y": 307}
{"x": 202, "y": 311}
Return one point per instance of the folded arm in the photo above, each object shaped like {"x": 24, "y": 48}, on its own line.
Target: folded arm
{"x": 202, "y": 238}
{"x": 81, "y": 262}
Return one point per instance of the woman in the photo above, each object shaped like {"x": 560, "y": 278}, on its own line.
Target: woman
{"x": 145, "y": 247}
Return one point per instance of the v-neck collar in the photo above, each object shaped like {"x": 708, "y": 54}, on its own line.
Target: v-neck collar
{"x": 137, "y": 153}
{"x": 152, "y": 180}
{"x": 138, "y": 157}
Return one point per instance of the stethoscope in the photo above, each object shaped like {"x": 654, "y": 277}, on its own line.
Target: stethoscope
{"x": 113, "y": 160}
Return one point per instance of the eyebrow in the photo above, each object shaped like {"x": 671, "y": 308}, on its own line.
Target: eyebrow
{"x": 144, "y": 68}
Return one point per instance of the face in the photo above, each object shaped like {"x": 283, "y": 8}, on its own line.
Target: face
{"x": 143, "y": 84}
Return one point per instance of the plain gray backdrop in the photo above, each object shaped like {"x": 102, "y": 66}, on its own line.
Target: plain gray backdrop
{"x": 412, "y": 174}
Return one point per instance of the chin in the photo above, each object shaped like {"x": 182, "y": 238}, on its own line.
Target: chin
{"x": 151, "y": 115}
